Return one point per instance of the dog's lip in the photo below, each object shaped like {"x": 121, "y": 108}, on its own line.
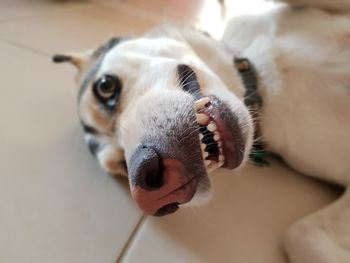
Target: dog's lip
{"x": 232, "y": 141}
{"x": 191, "y": 183}
{"x": 187, "y": 189}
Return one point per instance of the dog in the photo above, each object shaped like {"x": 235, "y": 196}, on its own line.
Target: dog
{"x": 172, "y": 106}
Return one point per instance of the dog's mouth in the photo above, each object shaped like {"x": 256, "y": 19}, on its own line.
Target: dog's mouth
{"x": 164, "y": 175}
{"x": 222, "y": 144}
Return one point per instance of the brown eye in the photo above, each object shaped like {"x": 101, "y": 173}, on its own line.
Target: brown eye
{"x": 105, "y": 87}
{"x": 107, "y": 90}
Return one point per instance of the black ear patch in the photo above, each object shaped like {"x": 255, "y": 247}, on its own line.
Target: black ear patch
{"x": 104, "y": 48}
{"x": 58, "y": 58}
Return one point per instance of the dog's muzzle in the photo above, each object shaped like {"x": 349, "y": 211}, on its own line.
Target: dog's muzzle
{"x": 166, "y": 167}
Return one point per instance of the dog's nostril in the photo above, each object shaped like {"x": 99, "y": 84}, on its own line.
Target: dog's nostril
{"x": 147, "y": 168}
{"x": 154, "y": 179}
{"x": 167, "y": 209}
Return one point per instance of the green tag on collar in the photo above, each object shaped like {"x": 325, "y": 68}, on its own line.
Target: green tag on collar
{"x": 258, "y": 156}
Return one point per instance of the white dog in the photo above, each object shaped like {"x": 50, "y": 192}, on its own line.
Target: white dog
{"x": 176, "y": 104}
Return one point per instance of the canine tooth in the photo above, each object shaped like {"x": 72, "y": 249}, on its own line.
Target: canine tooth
{"x": 221, "y": 158}
{"x": 207, "y": 162}
{"x": 203, "y": 146}
{"x": 212, "y": 127}
{"x": 205, "y": 154}
{"x": 202, "y": 118}
{"x": 199, "y": 104}
{"x": 216, "y": 136}
{"x": 201, "y": 136}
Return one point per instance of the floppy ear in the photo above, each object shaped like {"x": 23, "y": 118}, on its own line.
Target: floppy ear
{"x": 75, "y": 58}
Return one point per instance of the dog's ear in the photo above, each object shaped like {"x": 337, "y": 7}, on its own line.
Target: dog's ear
{"x": 75, "y": 58}
{"x": 81, "y": 59}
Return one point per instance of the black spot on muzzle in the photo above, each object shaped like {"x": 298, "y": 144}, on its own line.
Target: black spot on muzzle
{"x": 188, "y": 80}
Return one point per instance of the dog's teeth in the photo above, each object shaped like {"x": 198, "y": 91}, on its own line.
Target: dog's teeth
{"x": 221, "y": 158}
{"x": 199, "y": 104}
{"x": 220, "y": 164}
{"x": 201, "y": 137}
{"x": 219, "y": 144}
{"x": 207, "y": 162}
{"x": 203, "y": 146}
{"x": 216, "y": 136}
{"x": 212, "y": 127}
{"x": 205, "y": 154}
{"x": 202, "y": 118}
{"x": 220, "y": 150}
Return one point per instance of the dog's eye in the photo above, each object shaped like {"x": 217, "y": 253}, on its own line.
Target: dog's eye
{"x": 106, "y": 87}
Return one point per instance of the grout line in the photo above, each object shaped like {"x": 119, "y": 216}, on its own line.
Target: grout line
{"x": 13, "y": 43}
{"x": 131, "y": 239}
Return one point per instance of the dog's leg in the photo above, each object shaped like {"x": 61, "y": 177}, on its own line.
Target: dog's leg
{"x": 323, "y": 237}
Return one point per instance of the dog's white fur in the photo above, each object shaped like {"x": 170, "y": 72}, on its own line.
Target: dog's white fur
{"x": 302, "y": 56}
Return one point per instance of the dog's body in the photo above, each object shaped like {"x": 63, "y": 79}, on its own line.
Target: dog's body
{"x": 302, "y": 60}
{"x": 147, "y": 96}
{"x": 302, "y": 57}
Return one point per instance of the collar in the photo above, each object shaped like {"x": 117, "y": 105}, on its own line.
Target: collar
{"x": 253, "y": 101}
{"x": 247, "y": 72}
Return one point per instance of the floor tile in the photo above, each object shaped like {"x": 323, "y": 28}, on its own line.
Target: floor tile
{"x": 56, "y": 203}
{"x": 19, "y": 9}
{"x": 178, "y": 10}
{"x": 207, "y": 15}
{"x": 203, "y": 14}
{"x": 83, "y": 28}
{"x": 244, "y": 222}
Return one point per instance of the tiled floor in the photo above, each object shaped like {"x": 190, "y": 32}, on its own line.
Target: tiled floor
{"x": 58, "y": 206}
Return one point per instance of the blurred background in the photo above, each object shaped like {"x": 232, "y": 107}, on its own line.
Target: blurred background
{"x": 57, "y": 205}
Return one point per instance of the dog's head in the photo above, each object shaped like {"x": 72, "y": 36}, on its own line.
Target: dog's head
{"x": 160, "y": 103}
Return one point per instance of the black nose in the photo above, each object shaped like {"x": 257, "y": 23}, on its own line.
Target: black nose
{"x": 147, "y": 168}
